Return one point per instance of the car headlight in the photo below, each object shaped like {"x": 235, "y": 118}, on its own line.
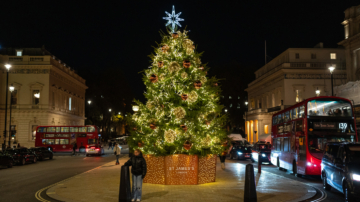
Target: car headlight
{"x": 263, "y": 155}
{"x": 239, "y": 153}
{"x": 356, "y": 177}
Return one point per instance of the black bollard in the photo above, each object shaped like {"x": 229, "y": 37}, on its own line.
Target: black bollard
{"x": 125, "y": 190}
{"x": 250, "y": 187}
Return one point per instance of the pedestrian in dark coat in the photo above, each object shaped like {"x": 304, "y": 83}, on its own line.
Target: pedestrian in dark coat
{"x": 138, "y": 170}
{"x": 74, "y": 149}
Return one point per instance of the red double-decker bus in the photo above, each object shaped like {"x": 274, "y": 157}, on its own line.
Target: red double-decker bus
{"x": 299, "y": 133}
{"x": 62, "y": 138}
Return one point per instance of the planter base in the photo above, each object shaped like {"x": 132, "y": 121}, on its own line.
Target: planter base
{"x": 180, "y": 169}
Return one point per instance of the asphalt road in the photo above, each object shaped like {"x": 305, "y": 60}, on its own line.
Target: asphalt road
{"x": 331, "y": 196}
{"x": 20, "y": 183}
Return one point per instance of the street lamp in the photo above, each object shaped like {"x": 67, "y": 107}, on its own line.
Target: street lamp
{"x": 226, "y": 110}
{"x": 317, "y": 92}
{"x": 331, "y": 78}
{"x": 89, "y": 101}
{"x": 109, "y": 110}
{"x": 119, "y": 113}
{"x": 11, "y": 88}
{"x": 7, "y": 66}
{"x": 135, "y": 108}
{"x": 246, "y": 103}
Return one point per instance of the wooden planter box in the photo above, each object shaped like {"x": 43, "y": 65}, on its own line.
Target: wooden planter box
{"x": 180, "y": 169}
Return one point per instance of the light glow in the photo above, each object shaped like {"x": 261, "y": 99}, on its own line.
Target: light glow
{"x": 7, "y": 66}
{"x": 240, "y": 153}
{"x": 173, "y": 19}
{"x": 11, "y": 88}
{"x": 263, "y": 155}
{"x": 331, "y": 69}
{"x": 356, "y": 177}
{"x": 309, "y": 164}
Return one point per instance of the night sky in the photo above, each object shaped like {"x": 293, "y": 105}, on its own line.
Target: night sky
{"x": 97, "y": 35}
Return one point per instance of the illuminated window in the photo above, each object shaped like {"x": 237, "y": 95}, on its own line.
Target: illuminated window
{"x": 230, "y": 105}
{"x": 238, "y": 97}
{"x": 19, "y": 52}
{"x": 266, "y": 129}
{"x": 36, "y": 97}
{"x": 333, "y": 56}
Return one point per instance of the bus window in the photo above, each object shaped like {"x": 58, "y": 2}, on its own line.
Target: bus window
{"x": 286, "y": 144}
{"x": 91, "y": 129}
{"x": 64, "y": 141}
{"x": 49, "y": 135}
{"x": 82, "y": 129}
{"x": 48, "y": 141}
{"x": 299, "y": 125}
{"x": 57, "y": 141}
{"x": 329, "y": 108}
{"x": 58, "y": 129}
{"x": 278, "y": 144}
{"x": 302, "y": 148}
{"x": 64, "y": 129}
{"x": 279, "y": 119}
{"x": 74, "y": 129}
{"x": 295, "y": 113}
{"x": 302, "y": 111}
{"x": 41, "y": 129}
{"x": 91, "y": 141}
{"x": 51, "y": 129}
{"x": 287, "y": 116}
{"x": 274, "y": 120}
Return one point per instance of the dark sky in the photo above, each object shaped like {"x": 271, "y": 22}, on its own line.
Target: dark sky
{"x": 96, "y": 35}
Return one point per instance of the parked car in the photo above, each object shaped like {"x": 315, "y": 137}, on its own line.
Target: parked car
{"x": 22, "y": 155}
{"x": 340, "y": 169}
{"x": 261, "y": 150}
{"x": 42, "y": 152}
{"x": 240, "y": 151}
{"x": 6, "y": 160}
{"x": 94, "y": 149}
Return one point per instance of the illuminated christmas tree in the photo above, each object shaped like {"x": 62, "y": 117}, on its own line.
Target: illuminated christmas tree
{"x": 182, "y": 114}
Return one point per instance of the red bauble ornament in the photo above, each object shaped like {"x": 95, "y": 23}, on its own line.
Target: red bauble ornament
{"x": 215, "y": 84}
{"x": 187, "y": 145}
{"x": 186, "y": 63}
{"x": 184, "y": 96}
{"x": 184, "y": 127}
{"x": 140, "y": 144}
{"x": 197, "y": 84}
{"x": 153, "y": 78}
{"x": 175, "y": 35}
{"x": 160, "y": 64}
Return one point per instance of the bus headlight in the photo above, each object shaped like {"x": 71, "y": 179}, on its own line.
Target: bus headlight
{"x": 356, "y": 177}
{"x": 309, "y": 164}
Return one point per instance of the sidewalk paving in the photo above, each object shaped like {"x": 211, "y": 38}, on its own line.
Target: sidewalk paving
{"x": 102, "y": 184}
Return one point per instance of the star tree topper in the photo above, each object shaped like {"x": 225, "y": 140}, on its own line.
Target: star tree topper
{"x": 173, "y": 19}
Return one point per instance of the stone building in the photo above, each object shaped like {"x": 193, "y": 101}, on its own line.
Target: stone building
{"x": 47, "y": 92}
{"x": 291, "y": 77}
{"x": 351, "y": 90}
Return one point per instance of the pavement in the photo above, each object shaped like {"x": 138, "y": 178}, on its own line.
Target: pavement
{"x": 102, "y": 184}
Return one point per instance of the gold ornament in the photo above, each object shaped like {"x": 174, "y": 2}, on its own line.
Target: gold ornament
{"x": 203, "y": 79}
{"x": 170, "y": 136}
{"x": 179, "y": 112}
{"x": 187, "y": 44}
{"x": 192, "y": 96}
{"x": 162, "y": 77}
{"x": 174, "y": 67}
{"x": 184, "y": 75}
{"x": 189, "y": 51}
{"x": 150, "y": 105}
{"x": 206, "y": 141}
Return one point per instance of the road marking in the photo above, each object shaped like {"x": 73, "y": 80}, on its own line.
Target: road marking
{"x": 38, "y": 193}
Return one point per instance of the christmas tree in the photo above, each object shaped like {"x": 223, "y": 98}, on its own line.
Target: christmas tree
{"x": 182, "y": 114}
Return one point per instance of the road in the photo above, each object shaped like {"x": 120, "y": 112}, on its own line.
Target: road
{"x": 20, "y": 183}
{"x": 331, "y": 196}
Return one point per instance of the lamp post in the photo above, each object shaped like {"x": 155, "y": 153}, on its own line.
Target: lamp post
{"x": 11, "y": 88}
{"x": 331, "y": 78}
{"x": 6, "y": 99}
{"x": 317, "y": 92}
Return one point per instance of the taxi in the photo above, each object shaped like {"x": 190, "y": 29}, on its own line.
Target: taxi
{"x": 94, "y": 149}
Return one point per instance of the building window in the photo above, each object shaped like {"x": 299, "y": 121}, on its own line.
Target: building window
{"x": 333, "y": 56}
{"x": 19, "y": 52}
{"x": 266, "y": 129}
{"x": 313, "y": 56}
{"x": 36, "y": 97}
{"x": 229, "y": 97}
{"x": 230, "y": 105}
{"x": 69, "y": 103}
{"x": 238, "y": 105}
{"x": 297, "y": 55}
{"x": 33, "y": 132}
{"x": 14, "y": 97}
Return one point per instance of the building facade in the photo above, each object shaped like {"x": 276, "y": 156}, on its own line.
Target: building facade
{"x": 351, "y": 90}
{"x": 47, "y": 92}
{"x": 291, "y": 77}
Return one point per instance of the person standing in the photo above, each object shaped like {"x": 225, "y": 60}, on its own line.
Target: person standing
{"x": 18, "y": 146}
{"x": 74, "y": 148}
{"x": 117, "y": 153}
{"x": 138, "y": 171}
